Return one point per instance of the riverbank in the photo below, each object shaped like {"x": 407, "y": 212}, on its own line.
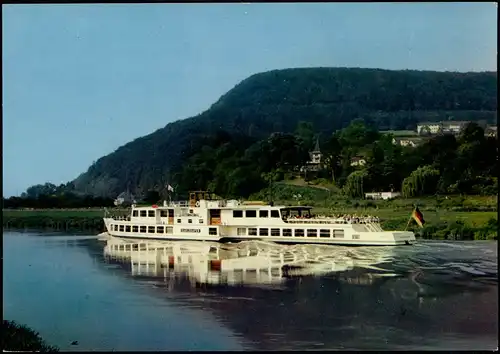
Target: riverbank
{"x": 16, "y": 337}
{"x": 56, "y": 219}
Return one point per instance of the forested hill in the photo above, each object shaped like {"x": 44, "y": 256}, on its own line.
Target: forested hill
{"x": 276, "y": 101}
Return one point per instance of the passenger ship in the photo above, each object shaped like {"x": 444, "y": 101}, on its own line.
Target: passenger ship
{"x": 204, "y": 218}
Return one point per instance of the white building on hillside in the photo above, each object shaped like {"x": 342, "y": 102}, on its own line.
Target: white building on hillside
{"x": 382, "y": 195}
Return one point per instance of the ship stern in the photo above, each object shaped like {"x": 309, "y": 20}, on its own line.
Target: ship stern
{"x": 404, "y": 237}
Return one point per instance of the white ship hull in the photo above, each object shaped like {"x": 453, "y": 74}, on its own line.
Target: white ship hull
{"x": 230, "y": 234}
{"x": 203, "y": 219}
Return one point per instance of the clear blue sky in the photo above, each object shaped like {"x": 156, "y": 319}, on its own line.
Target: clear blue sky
{"x": 81, "y": 80}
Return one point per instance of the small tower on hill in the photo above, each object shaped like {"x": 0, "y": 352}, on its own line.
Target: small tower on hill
{"x": 316, "y": 153}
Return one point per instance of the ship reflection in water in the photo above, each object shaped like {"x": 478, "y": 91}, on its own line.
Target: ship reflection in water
{"x": 428, "y": 296}
{"x": 252, "y": 263}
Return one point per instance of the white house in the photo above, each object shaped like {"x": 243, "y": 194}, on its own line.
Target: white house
{"x": 490, "y": 131}
{"x": 453, "y": 127}
{"x": 411, "y": 142}
{"x": 358, "y": 161}
{"x": 382, "y": 195}
{"x": 125, "y": 197}
{"x": 429, "y": 128}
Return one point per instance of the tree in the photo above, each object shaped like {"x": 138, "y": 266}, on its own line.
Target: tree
{"x": 332, "y": 155}
{"x": 354, "y": 186}
{"x": 305, "y": 132}
{"x": 152, "y": 197}
{"x": 421, "y": 181}
{"x": 472, "y": 132}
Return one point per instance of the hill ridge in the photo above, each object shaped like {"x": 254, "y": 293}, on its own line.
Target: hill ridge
{"x": 277, "y": 100}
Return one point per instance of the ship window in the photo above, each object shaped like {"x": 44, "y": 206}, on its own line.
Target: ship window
{"x": 169, "y": 230}
{"x": 299, "y": 233}
{"x": 121, "y": 228}
{"x": 135, "y": 213}
{"x": 275, "y": 232}
{"x": 135, "y": 228}
{"x": 114, "y": 227}
{"x": 178, "y": 221}
{"x": 263, "y": 214}
{"x": 143, "y": 228}
{"x": 159, "y": 229}
{"x": 275, "y": 213}
{"x": 237, "y": 213}
{"x": 200, "y": 221}
{"x": 263, "y": 232}
{"x": 163, "y": 213}
{"x": 338, "y": 233}
{"x": 324, "y": 233}
{"x": 127, "y": 228}
{"x": 170, "y": 213}
{"x": 151, "y": 229}
{"x": 135, "y": 246}
{"x": 190, "y": 221}
{"x": 142, "y": 246}
{"x": 190, "y": 211}
{"x": 212, "y": 231}
{"x": 252, "y": 231}
{"x": 151, "y": 213}
{"x": 312, "y": 233}
{"x": 287, "y": 232}
{"x": 355, "y": 237}
{"x": 241, "y": 231}
{"x": 143, "y": 213}
{"x": 251, "y": 213}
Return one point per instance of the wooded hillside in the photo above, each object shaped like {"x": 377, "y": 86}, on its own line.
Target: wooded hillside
{"x": 276, "y": 101}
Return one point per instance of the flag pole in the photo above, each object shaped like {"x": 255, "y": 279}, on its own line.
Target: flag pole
{"x": 408, "y": 224}
{"x": 411, "y": 216}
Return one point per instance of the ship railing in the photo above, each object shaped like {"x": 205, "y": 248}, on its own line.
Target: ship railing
{"x": 120, "y": 217}
{"x": 316, "y": 220}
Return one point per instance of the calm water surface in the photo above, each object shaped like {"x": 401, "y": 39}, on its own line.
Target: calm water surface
{"x": 116, "y": 295}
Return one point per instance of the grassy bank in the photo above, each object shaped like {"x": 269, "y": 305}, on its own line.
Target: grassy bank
{"x": 59, "y": 219}
{"x": 16, "y": 337}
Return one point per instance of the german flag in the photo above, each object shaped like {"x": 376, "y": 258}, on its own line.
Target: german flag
{"x": 418, "y": 216}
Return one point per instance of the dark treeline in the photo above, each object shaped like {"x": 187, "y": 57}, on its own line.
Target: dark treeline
{"x": 49, "y": 196}
{"x": 276, "y": 101}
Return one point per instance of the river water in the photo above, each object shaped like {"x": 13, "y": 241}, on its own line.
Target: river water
{"x": 116, "y": 295}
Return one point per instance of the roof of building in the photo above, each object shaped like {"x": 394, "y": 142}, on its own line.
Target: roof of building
{"x": 429, "y": 123}
{"x": 455, "y": 122}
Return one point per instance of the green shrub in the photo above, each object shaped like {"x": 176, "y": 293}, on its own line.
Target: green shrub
{"x": 433, "y": 231}
{"x": 21, "y": 338}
